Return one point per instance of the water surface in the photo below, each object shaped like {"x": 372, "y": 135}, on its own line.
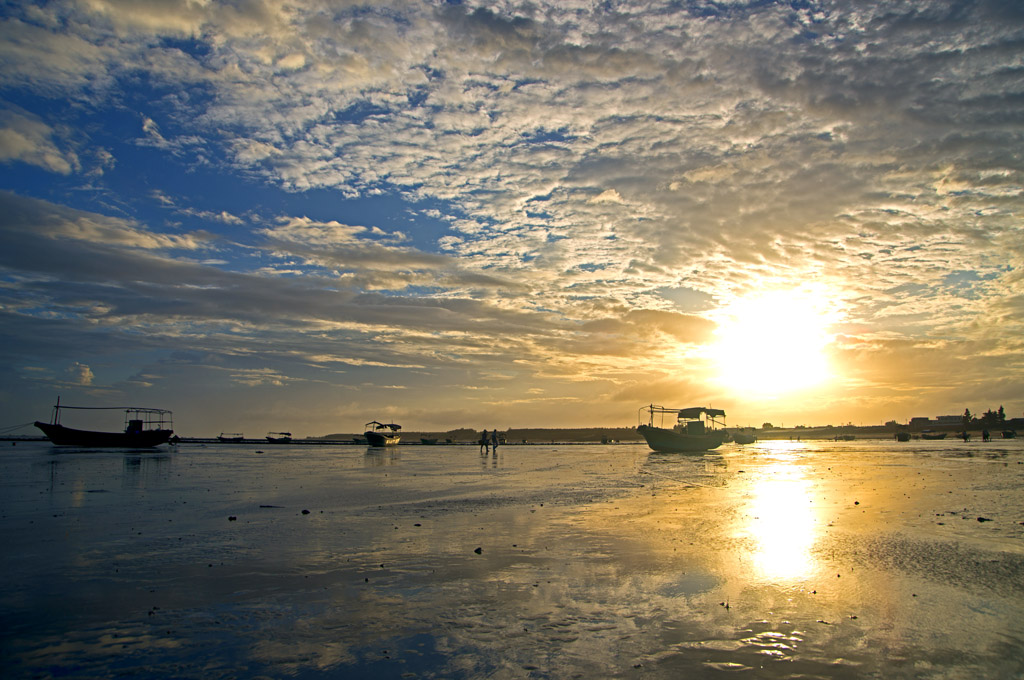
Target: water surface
{"x": 779, "y": 559}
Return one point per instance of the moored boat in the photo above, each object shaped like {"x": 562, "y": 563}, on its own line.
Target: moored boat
{"x": 382, "y": 434}
{"x": 1009, "y": 434}
{"x": 144, "y": 428}
{"x": 233, "y": 437}
{"x": 695, "y": 430}
{"x": 931, "y": 435}
{"x": 902, "y": 436}
{"x": 741, "y": 437}
{"x": 279, "y": 437}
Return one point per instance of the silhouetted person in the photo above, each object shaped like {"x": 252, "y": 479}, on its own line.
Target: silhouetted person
{"x": 494, "y": 440}
{"x": 483, "y": 442}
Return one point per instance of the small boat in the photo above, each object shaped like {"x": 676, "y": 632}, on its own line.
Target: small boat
{"x": 429, "y": 441}
{"x": 144, "y": 428}
{"x": 1009, "y": 434}
{"x": 279, "y": 437}
{"x": 230, "y": 437}
{"x": 930, "y": 435}
{"x": 382, "y": 434}
{"x": 902, "y": 436}
{"x": 741, "y": 437}
{"x": 695, "y": 430}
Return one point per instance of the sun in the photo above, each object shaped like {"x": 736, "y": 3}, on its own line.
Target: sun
{"x": 773, "y": 343}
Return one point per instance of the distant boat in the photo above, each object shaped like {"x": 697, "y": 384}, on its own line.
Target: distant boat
{"x": 695, "y": 430}
{"x": 382, "y": 434}
{"x": 428, "y": 440}
{"x": 230, "y": 437}
{"x": 1009, "y": 434}
{"x": 279, "y": 437}
{"x": 741, "y": 437}
{"x": 928, "y": 434}
{"x": 144, "y": 428}
{"x": 903, "y": 436}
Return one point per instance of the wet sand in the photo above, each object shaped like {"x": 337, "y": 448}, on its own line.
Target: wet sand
{"x": 854, "y": 559}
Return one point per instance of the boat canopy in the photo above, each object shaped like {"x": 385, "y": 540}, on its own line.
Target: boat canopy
{"x": 382, "y": 426}
{"x": 695, "y": 412}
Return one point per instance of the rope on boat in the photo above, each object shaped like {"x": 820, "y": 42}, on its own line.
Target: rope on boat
{"x": 5, "y": 430}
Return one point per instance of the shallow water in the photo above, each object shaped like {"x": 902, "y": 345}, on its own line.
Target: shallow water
{"x": 854, "y": 559}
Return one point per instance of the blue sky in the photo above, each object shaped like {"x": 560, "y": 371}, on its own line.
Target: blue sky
{"x": 304, "y": 216}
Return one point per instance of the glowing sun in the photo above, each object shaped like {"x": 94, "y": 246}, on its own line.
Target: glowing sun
{"x": 773, "y": 343}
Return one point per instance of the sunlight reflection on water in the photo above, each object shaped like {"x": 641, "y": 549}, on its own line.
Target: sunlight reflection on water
{"x": 782, "y": 522}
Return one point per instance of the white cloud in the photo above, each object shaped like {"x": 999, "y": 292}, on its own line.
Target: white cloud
{"x": 26, "y": 138}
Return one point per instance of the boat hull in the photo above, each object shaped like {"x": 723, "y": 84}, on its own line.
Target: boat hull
{"x": 67, "y": 436}
{"x": 671, "y": 441}
{"x": 378, "y": 439}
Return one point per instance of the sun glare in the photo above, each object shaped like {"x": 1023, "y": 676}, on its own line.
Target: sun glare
{"x": 773, "y": 343}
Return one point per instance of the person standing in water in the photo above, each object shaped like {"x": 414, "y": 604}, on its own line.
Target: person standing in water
{"x": 494, "y": 440}
{"x": 483, "y": 442}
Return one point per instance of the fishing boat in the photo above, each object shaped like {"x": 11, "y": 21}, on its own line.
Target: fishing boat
{"x": 230, "y": 437}
{"x": 279, "y": 437}
{"x": 932, "y": 435}
{"x": 902, "y": 436}
{"x": 741, "y": 437}
{"x": 382, "y": 434}
{"x": 696, "y": 429}
{"x": 144, "y": 428}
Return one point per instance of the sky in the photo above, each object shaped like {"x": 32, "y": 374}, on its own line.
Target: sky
{"x": 306, "y": 215}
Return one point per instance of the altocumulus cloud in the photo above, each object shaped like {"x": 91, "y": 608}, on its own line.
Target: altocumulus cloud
{"x": 578, "y": 161}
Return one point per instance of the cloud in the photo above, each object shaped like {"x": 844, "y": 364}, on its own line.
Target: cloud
{"x": 26, "y": 138}
{"x": 80, "y": 374}
{"x": 585, "y": 159}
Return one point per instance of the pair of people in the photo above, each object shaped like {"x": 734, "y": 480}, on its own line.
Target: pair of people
{"x": 487, "y": 442}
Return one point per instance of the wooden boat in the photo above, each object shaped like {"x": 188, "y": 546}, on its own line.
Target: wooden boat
{"x": 741, "y": 437}
{"x": 902, "y": 436}
{"x": 928, "y": 434}
{"x": 144, "y": 428}
{"x": 695, "y": 430}
{"x": 279, "y": 437}
{"x": 382, "y": 434}
{"x": 232, "y": 437}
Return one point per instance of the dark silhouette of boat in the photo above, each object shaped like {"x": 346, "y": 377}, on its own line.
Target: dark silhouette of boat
{"x": 382, "y": 434}
{"x": 233, "y": 437}
{"x": 695, "y": 430}
{"x": 902, "y": 436}
{"x": 144, "y": 428}
{"x": 930, "y": 435}
{"x": 279, "y": 437}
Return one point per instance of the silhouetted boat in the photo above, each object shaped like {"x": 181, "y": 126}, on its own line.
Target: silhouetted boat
{"x": 903, "y": 436}
{"x": 428, "y": 440}
{"x": 741, "y": 437}
{"x": 279, "y": 437}
{"x": 927, "y": 434}
{"x": 230, "y": 437}
{"x": 695, "y": 429}
{"x": 144, "y": 428}
{"x": 1009, "y": 434}
{"x": 382, "y": 434}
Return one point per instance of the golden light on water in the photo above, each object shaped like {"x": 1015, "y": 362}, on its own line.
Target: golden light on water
{"x": 782, "y": 521}
{"x": 774, "y": 342}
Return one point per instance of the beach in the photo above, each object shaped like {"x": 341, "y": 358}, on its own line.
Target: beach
{"x": 779, "y": 559}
